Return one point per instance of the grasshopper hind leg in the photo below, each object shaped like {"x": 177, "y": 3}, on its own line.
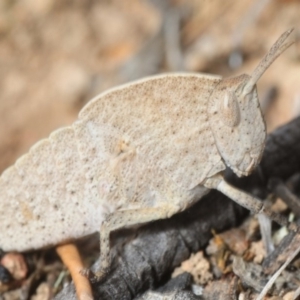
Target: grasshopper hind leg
{"x": 121, "y": 219}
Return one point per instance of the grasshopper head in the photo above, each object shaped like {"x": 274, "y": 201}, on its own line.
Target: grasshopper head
{"x": 235, "y": 116}
{"x": 237, "y": 124}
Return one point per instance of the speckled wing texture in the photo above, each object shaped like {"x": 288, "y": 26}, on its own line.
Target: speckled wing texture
{"x": 82, "y": 213}
{"x": 43, "y": 201}
{"x": 163, "y": 120}
{"x": 11, "y": 207}
{"x": 30, "y": 196}
{"x": 132, "y": 147}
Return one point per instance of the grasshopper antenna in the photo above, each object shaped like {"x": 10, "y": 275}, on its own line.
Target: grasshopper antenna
{"x": 276, "y": 50}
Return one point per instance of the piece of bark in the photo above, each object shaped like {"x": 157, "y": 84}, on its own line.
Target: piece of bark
{"x": 147, "y": 261}
{"x": 176, "y": 288}
{"x": 225, "y": 289}
{"x": 176, "y": 295}
{"x": 250, "y": 274}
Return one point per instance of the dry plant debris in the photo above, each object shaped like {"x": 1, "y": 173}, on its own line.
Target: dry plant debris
{"x": 198, "y": 266}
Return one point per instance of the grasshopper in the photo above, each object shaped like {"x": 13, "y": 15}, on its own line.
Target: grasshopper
{"x": 139, "y": 152}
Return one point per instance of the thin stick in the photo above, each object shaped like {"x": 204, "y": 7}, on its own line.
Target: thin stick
{"x": 275, "y": 276}
{"x": 70, "y": 256}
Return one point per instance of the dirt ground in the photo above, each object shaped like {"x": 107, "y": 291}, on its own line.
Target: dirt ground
{"x": 56, "y": 55}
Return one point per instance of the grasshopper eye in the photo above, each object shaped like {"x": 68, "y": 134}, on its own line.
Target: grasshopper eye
{"x": 229, "y": 110}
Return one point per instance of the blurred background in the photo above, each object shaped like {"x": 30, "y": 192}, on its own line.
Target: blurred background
{"x": 56, "y": 55}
